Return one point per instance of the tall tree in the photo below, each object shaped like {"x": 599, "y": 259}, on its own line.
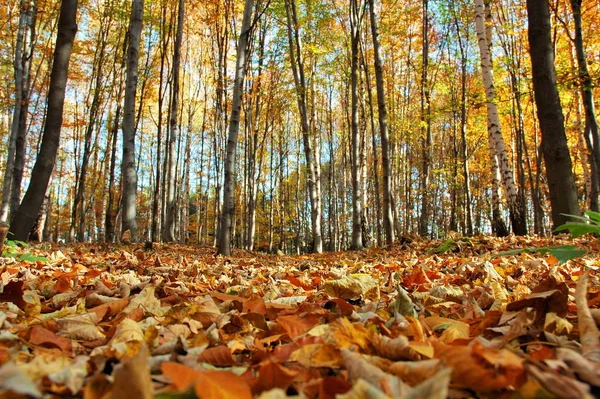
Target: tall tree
{"x": 128, "y": 170}
{"x": 11, "y": 188}
{"x": 557, "y": 159}
{"x": 173, "y": 131}
{"x": 356, "y": 14}
{"x": 383, "y": 128}
{"x": 587, "y": 95}
{"x": 496, "y": 141}
{"x": 426, "y": 135}
{"x": 300, "y": 84}
{"x": 224, "y": 243}
{"x": 28, "y": 211}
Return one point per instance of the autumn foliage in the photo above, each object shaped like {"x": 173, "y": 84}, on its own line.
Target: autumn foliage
{"x": 179, "y": 322}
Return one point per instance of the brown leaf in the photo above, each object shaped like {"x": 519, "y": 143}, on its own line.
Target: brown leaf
{"x": 41, "y": 336}
{"x": 296, "y": 325}
{"x": 589, "y": 335}
{"x": 13, "y": 292}
{"x": 561, "y": 386}
{"x": 273, "y": 375}
{"x": 132, "y": 378}
{"x": 481, "y": 369}
{"x": 413, "y": 373}
{"x": 219, "y": 356}
{"x": 393, "y": 349}
{"x": 359, "y": 368}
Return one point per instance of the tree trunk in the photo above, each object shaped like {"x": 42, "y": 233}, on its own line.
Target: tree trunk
{"x": 426, "y": 138}
{"x": 357, "y": 184}
{"x": 224, "y": 243}
{"x": 388, "y": 224}
{"x": 297, "y": 63}
{"x": 173, "y": 131}
{"x": 497, "y": 146}
{"x": 11, "y": 189}
{"x": 587, "y": 95}
{"x": 128, "y": 170}
{"x": 559, "y": 173}
{"x": 28, "y": 211}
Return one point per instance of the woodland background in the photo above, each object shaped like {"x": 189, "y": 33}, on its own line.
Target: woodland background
{"x": 441, "y": 176}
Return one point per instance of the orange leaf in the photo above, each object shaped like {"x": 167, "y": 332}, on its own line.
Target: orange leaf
{"x": 221, "y": 385}
{"x": 41, "y": 336}
{"x": 273, "y": 375}
{"x": 496, "y": 369}
{"x": 207, "y": 384}
{"x": 219, "y": 356}
{"x": 295, "y": 325}
{"x": 255, "y": 304}
{"x": 180, "y": 375}
{"x": 63, "y": 284}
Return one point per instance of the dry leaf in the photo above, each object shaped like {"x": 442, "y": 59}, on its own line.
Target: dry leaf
{"x": 132, "y": 378}
{"x": 81, "y": 327}
{"x": 589, "y": 334}
{"x": 359, "y": 368}
{"x": 353, "y": 286}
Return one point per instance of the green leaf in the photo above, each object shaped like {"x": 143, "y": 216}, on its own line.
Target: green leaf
{"x": 595, "y": 216}
{"x": 563, "y": 253}
{"x": 578, "y": 229}
{"x": 32, "y": 258}
{"x": 566, "y": 253}
{"x": 447, "y": 245}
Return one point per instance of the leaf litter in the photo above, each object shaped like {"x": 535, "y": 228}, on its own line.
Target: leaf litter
{"x": 475, "y": 317}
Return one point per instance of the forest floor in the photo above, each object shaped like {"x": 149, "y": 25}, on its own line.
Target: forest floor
{"x": 425, "y": 319}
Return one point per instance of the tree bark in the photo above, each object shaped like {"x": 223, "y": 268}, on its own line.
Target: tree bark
{"x": 357, "y": 183}
{"x": 497, "y": 146}
{"x": 426, "y": 136}
{"x": 28, "y": 211}
{"x": 388, "y": 224}
{"x": 587, "y": 95}
{"x": 128, "y": 170}
{"x": 173, "y": 131}
{"x": 297, "y": 64}
{"x": 559, "y": 172}
{"x": 11, "y": 188}
{"x": 224, "y": 243}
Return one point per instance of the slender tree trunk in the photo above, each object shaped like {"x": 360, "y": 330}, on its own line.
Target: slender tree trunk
{"x": 129, "y": 173}
{"x": 497, "y": 146}
{"x": 225, "y": 232}
{"x": 388, "y": 224}
{"x": 11, "y": 189}
{"x": 357, "y": 184}
{"x": 559, "y": 172}
{"x": 173, "y": 131}
{"x": 297, "y": 63}
{"x": 587, "y": 95}
{"x": 28, "y": 211}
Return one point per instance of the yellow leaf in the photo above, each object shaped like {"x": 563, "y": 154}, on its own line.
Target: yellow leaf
{"x": 353, "y": 286}
{"x": 317, "y": 355}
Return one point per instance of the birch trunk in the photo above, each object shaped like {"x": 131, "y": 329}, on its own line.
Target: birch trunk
{"x": 497, "y": 146}
{"x": 174, "y": 132}
{"x": 128, "y": 170}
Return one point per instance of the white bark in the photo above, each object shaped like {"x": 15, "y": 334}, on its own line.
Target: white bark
{"x": 128, "y": 167}
{"x": 497, "y": 145}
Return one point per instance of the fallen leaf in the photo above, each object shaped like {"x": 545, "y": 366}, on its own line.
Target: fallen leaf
{"x": 132, "y": 378}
